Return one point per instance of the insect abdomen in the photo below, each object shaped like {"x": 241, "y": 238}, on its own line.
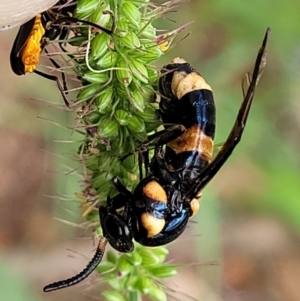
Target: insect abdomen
{"x": 188, "y": 100}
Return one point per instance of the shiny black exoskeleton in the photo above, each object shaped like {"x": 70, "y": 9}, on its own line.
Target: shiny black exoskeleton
{"x": 35, "y": 34}
{"x": 158, "y": 210}
{"x": 40, "y": 30}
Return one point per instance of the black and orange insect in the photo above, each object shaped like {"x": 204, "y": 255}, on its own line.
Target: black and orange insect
{"x": 35, "y": 34}
{"x": 158, "y": 210}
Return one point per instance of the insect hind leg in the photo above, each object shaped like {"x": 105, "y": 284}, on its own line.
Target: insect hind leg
{"x": 159, "y": 138}
{"x": 60, "y": 86}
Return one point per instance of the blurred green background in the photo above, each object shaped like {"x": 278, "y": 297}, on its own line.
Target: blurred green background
{"x": 249, "y": 219}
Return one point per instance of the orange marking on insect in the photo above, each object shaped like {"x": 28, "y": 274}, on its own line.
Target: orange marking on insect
{"x": 152, "y": 224}
{"x": 154, "y": 191}
{"x": 193, "y": 139}
{"x": 195, "y": 204}
{"x": 32, "y": 49}
{"x": 183, "y": 83}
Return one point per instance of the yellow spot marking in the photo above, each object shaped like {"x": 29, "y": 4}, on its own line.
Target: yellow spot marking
{"x": 178, "y": 60}
{"x": 193, "y": 139}
{"x": 32, "y": 49}
{"x": 154, "y": 191}
{"x": 195, "y": 205}
{"x": 199, "y": 195}
{"x": 152, "y": 224}
{"x": 183, "y": 83}
{"x": 178, "y": 76}
{"x": 191, "y": 82}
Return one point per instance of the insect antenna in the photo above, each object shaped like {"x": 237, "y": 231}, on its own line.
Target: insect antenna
{"x": 92, "y": 265}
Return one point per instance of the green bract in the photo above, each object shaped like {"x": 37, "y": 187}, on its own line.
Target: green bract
{"x": 100, "y": 179}
{"x": 152, "y": 74}
{"x": 107, "y": 60}
{"x": 85, "y": 8}
{"x": 104, "y": 159}
{"x": 111, "y": 257}
{"x": 122, "y": 28}
{"x": 95, "y": 78}
{"x": 143, "y": 284}
{"x": 149, "y": 32}
{"x": 124, "y": 265}
{"x": 131, "y": 13}
{"x": 157, "y": 294}
{"x": 88, "y": 92}
{"x": 131, "y": 41}
{"x": 136, "y": 124}
{"x": 138, "y": 100}
{"x": 92, "y": 163}
{"x": 99, "y": 45}
{"x": 124, "y": 75}
{"x": 106, "y": 267}
{"x": 94, "y": 117}
{"x": 113, "y": 296}
{"x": 122, "y": 117}
{"x": 149, "y": 114}
{"x": 129, "y": 163}
{"x": 163, "y": 271}
{"x": 99, "y": 17}
{"x": 152, "y": 54}
{"x": 104, "y": 99}
{"x": 139, "y": 71}
{"x": 135, "y": 259}
{"x": 108, "y": 127}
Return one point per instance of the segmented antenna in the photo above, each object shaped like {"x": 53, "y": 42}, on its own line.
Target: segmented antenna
{"x": 92, "y": 265}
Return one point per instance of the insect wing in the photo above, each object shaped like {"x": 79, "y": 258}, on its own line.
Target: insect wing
{"x": 19, "y": 43}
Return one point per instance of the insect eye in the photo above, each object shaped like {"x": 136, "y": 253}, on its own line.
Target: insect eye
{"x": 117, "y": 233}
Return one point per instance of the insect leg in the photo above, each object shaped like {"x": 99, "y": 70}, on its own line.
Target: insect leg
{"x": 159, "y": 138}
{"x": 120, "y": 187}
{"x": 143, "y": 158}
{"x": 63, "y": 76}
{"x": 55, "y": 78}
{"x": 75, "y": 20}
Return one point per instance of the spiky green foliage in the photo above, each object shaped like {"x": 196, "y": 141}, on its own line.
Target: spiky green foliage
{"x": 116, "y": 109}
